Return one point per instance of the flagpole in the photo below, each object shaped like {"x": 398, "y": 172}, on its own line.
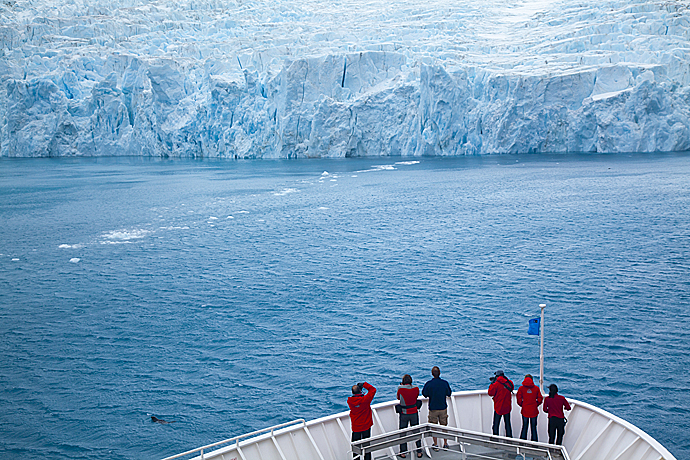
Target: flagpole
{"x": 541, "y": 349}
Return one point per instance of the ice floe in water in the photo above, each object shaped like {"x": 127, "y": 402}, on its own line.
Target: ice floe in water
{"x": 286, "y": 191}
{"x": 124, "y": 236}
{"x": 378, "y": 168}
{"x": 75, "y": 260}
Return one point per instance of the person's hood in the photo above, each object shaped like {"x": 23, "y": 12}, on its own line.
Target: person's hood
{"x": 528, "y": 382}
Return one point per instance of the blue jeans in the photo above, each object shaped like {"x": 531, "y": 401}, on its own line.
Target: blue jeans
{"x": 530, "y": 422}
{"x": 506, "y": 420}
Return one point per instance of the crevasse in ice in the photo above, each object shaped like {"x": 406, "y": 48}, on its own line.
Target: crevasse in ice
{"x": 310, "y": 78}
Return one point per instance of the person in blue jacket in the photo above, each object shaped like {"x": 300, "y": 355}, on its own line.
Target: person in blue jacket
{"x": 437, "y": 390}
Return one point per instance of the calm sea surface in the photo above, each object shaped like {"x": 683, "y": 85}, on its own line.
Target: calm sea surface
{"x": 229, "y": 296}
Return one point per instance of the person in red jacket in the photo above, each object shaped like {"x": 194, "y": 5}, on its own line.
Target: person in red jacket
{"x": 409, "y": 415}
{"x": 529, "y": 398}
{"x": 554, "y": 405}
{"x": 501, "y": 390}
{"x": 360, "y": 413}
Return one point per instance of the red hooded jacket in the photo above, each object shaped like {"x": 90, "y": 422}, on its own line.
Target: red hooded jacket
{"x": 360, "y": 409}
{"x": 501, "y": 395}
{"x": 529, "y": 398}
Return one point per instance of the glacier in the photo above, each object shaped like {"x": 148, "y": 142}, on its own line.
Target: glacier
{"x": 310, "y": 78}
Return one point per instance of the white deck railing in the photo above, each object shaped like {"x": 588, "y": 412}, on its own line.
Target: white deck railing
{"x": 591, "y": 433}
{"x": 236, "y": 440}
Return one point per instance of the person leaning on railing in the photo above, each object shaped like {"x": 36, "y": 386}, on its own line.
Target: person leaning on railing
{"x": 554, "y": 405}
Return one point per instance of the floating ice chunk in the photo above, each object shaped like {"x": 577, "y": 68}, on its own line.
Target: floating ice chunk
{"x": 212, "y": 218}
{"x": 325, "y": 173}
{"x": 378, "y": 168}
{"x": 242, "y": 212}
{"x": 69, "y": 246}
{"x": 229, "y": 217}
{"x": 126, "y": 235}
{"x": 286, "y": 191}
{"x": 406, "y": 163}
{"x": 15, "y": 260}
{"x": 75, "y": 260}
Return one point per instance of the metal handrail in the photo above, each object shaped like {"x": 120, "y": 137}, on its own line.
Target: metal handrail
{"x": 236, "y": 439}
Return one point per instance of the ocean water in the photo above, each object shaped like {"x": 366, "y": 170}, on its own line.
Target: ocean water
{"x": 228, "y": 296}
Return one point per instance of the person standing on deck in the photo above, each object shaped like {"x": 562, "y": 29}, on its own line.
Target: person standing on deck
{"x": 501, "y": 390}
{"x": 360, "y": 413}
{"x": 529, "y": 398}
{"x": 409, "y": 414}
{"x": 437, "y": 390}
{"x": 554, "y": 405}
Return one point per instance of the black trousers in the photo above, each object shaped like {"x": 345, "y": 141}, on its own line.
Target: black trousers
{"x": 356, "y": 436}
{"x": 411, "y": 420}
{"x": 506, "y": 420}
{"x": 556, "y": 430}
{"x": 529, "y": 422}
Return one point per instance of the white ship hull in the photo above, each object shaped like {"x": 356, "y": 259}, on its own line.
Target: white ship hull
{"x": 591, "y": 434}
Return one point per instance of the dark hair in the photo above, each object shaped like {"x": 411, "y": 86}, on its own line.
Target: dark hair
{"x": 407, "y": 379}
{"x": 553, "y": 390}
{"x": 530, "y": 376}
{"x": 435, "y": 371}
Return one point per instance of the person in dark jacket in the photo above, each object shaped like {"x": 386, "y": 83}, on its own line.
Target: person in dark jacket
{"x": 437, "y": 390}
{"x": 501, "y": 390}
{"x": 360, "y": 413}
{"x": 409, "y": 415}
{"x": 529, "y": 398}
{"x": 554, "y": 405}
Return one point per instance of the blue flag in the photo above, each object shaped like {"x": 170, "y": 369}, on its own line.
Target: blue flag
{"x": 533, "y": 326}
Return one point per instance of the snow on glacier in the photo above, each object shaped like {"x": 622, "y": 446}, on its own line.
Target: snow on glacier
{"x": 310, "y": 78}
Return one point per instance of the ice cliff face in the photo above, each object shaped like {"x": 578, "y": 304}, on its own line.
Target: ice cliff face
{"x": 309, "y": 78}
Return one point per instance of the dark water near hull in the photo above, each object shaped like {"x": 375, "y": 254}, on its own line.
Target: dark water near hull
{"x": 230, "y": 296}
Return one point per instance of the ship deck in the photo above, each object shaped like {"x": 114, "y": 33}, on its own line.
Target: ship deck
{"x": 463, "y": 445}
